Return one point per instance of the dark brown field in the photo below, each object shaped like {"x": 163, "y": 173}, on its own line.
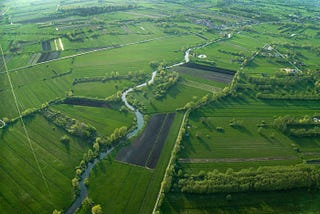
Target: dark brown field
{"x": 86, "y": 102}
{"x": 146, "y": 149}
{"x": 48, "y": 56}
{"x": 222, "y": 76}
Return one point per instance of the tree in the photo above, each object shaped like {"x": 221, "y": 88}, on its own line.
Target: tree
{"x": 65, "y": 139}
{"x": 96, "y": 209}
{"x": 86, "y": 205}
{"x": 56, "y": 212}
{"x": 90, "y": 155}
{"x": 75, "y": 182}
{"x": 5, "y": 119}
{"x": 96, "y": 147}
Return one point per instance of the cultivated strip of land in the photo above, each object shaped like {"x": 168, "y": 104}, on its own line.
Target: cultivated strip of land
{"x": 231, "y": 160}
{"x": 201, "y": 86}
{"x": 92, "y": 51}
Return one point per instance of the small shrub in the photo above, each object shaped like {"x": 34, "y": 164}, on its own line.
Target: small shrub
{"x": 219, "y": 129}
{"x": 65, "y": 139}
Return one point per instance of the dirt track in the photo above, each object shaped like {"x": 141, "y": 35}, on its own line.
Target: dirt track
{"x": 146, "y": 149}
{"x": 232, "y": 160}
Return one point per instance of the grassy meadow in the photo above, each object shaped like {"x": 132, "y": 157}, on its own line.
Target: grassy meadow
{"x": 22, "y": 186}
{"x": 105, "y": 120}
{"x": 103, "y": 38}
{"x": 138, "y": 189}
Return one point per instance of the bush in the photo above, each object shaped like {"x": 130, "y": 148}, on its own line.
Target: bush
{"x": 65, "y": 139}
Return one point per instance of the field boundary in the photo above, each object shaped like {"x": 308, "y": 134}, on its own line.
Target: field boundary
{"x": 170, "y": 161}
{"x": 233, "y": 160}
{"x": 134, "y": 165}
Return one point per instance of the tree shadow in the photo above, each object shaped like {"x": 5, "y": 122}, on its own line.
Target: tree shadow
{"x": 173, "y": 92}
{"x": 270, "y": 140}
{"x": 203, "y": 142}
{"x": 243, "y": 129}
{"x": 188, "y": 147}
{"x": 4, "y": 131}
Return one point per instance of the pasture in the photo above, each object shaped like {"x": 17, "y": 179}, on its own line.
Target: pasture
{"x": 137, "y": 192}
{"x": 105, "y": 120}
{"x": 36, "y": 85}
{"x": 91, "y": 40}
{"x": 22, "y": 187}
{"x": 264, "y": 202}
{"x": 213, "y": 142}
{"x": 177, "y": 97}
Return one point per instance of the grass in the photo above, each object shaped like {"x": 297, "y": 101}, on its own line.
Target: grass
{"x": 118, "y": 187}
{"x": 105, "y": 120}
{"x": 35, "y": 85}
{"x": 294, "y": 201}
{"x": 176, "y": 97}
{"x": 169, "y": 49}
{"x": 122, "y": 188}
{"x": 100, "y": 89}
{"x": 22, "y": 188}
{"x": 246, "y": 141}
{"x": 236, "y": 166}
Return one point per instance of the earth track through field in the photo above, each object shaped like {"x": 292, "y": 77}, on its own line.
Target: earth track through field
{"x": 233, "y": 160}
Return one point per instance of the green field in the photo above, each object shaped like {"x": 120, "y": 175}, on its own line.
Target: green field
{"x": 119, "y": 187}
{"x": 94, "y": 50}
{"x": 22, "y": 187}
{"x": 229, "y": 147}
{"x": 138, "y": 189}
{"x": 295, "y": 201}
{"x": 177, "y": 97}
{"x": 105, "y": 120}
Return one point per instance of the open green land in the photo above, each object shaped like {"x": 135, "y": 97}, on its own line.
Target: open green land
{"x": 294, "y": 201}
{"x": 87, "y": 53}
{"x": 177, "y": 97}
{"x": 22, "y": 187}
{"x": 105, "y": 120}
{"x": 228, "y": 147}
{"x": 139, "y": 186}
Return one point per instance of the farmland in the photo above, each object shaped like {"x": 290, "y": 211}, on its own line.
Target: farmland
{"x": 56, "y": 159}
{"x": 171, "y": 106}
{"x": 141, "y": 185}
{"x": 145, "y": 151}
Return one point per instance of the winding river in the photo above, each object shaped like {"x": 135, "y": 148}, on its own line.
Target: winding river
{"x": 140, "y": 122}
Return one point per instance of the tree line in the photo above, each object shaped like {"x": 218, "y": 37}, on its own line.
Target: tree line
{"x": 251, "y": 180}
{"x": 306, "y": 126}
{"x": 134, "y": 77}
{"x": 71, "y": 125}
